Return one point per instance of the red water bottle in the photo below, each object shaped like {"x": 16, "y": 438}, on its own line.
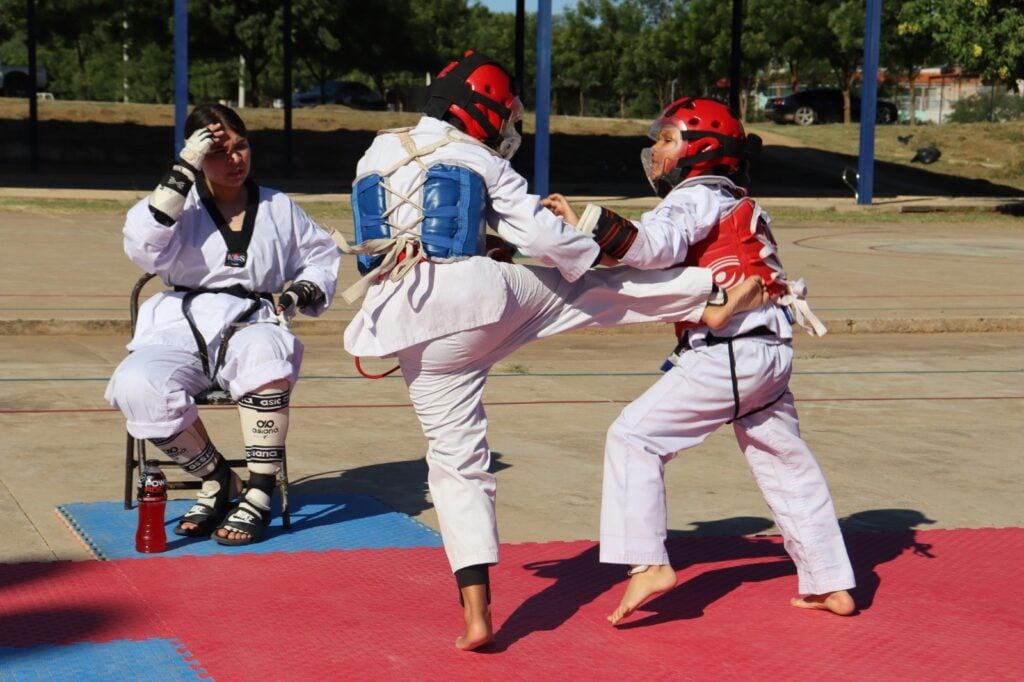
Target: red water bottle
{"x": 151, "y": 536}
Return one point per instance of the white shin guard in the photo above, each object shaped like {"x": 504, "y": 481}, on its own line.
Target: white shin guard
{"x": 191, "y": 450}
{"x": 264, "y": 417}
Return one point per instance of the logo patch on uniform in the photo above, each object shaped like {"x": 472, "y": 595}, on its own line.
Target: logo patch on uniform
{"x": 236, "y": 259}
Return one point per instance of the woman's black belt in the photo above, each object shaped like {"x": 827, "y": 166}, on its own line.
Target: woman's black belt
{"x": 234, "y": 290}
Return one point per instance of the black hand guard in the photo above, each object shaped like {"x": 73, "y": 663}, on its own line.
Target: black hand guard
{"x": 301, "y": 294}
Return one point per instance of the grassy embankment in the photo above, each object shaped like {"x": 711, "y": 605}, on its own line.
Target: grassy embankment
{"x": 984, "y": 151}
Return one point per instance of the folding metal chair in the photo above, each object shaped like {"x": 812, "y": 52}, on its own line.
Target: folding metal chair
{"x": 135, "y": 449}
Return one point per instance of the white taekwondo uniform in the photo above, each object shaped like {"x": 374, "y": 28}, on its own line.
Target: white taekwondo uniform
{"x": 449, "y": 323}
{"x": 696, "y": 396}
{"x": 154, "y": 384}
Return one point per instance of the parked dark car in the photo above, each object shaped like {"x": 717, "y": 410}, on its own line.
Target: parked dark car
{"x": 822, "y": 105}
{"x": 14, "y": 80}
{"x": 349, "y": 93}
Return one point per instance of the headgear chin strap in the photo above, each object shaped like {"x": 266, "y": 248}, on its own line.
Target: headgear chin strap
{"x": 452, "y": 89}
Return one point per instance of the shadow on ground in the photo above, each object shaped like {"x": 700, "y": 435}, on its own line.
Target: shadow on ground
{"x": 118, "y": 156}
{"x": 402, "y": 485}
{"x": 874, "y": 537}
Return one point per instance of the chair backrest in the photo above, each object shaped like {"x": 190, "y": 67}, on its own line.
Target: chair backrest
{"x": 133, "y": 303}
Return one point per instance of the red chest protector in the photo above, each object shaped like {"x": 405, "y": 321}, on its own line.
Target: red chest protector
{"x": 738, "y": 247}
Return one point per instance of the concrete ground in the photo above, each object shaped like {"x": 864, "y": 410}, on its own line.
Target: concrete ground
{"x": 912, "y": 402}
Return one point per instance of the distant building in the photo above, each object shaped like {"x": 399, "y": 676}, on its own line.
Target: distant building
{"x": 936, "y": 89}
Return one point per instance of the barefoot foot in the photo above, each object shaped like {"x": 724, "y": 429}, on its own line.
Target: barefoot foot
{"x": 477, "y": 613}
{"x": 749, "y": 294}
{"x": 641, "y": 587}
{"x": 839, "y": 603}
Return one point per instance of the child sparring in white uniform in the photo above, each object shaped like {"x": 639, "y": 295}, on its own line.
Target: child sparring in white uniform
{"x": 737, "y": 375}
{"x": 223, "y": 281}
{"x": 449, "y": 313}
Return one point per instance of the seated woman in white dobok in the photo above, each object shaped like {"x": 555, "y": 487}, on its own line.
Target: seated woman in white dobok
{"x": 224, "y": 245}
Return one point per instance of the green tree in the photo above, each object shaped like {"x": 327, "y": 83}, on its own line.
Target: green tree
{"x": 80, "y": 43}
{"x": 844, "y": 20}
{"x": 983, "y": 36}
{"x": 907, "y": 41}
{"x": 317, "y": 46}
{"x": 250, "y": 29}
{"x": 794, "y": 31}
{"x": 442, "y": 28}
{"x": 577, "y": 62}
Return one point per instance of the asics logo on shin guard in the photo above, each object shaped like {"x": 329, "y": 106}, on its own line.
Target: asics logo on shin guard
{"x": 265, "y": 403}
{"x": 201, "y": 461}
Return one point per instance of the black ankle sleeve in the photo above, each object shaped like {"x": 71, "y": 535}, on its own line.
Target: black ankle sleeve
{"x": 473, "y": 575}
{"x": 264, "y": 482}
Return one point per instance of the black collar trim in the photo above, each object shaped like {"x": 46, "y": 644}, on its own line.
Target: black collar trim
{"x": 237, "y": 242}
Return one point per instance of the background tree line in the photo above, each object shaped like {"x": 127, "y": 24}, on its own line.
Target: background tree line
{"x": 624, "y": 58}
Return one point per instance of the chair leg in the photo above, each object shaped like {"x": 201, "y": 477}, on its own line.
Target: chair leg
{"x": 129, "y": 470}
{"x": 286, "y": 513}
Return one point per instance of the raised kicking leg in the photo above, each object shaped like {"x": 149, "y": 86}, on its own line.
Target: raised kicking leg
{"x": 840, "y": 602}
{"x": 644, "y": 582}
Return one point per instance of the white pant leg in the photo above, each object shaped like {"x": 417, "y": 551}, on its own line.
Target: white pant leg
{"x": 446, "y": 388}
{"x": 685, "y": 406}
{"x": 257, "y": 355}
{"x": 153, "y": 387}
{"x": 446, "y": 378}
{"x": 795, "y": 489}
{"x": 605, "y": 297}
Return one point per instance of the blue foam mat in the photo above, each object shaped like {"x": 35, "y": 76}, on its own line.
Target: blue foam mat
{"x": 149, "y": 659}
{"x": 319, "y": 523}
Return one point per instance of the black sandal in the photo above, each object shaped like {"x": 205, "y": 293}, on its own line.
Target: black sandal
{"x": 208, "y": 515}
{"x": 245, "y": 518}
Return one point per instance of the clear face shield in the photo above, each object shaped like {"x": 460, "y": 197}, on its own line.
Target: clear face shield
{"x": 660, "y": 159}
{"x": 510, "y": 138}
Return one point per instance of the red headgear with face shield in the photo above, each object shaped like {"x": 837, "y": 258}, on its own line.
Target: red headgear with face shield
{"x": 695, "y": 136}
{"x": 480, "y": 94}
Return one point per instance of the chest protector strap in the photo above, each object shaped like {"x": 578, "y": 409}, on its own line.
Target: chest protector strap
{"x": 741, "y": 246}
{"x": 448, "y": 224}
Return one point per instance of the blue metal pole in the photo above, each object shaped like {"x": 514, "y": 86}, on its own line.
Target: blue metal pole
{"x": 869, "y": 102}
{"x": 543, "y": 108}
{"x": 180, "y": 72}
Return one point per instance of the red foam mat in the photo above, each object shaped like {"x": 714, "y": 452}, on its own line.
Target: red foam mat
{"x": 936, "y": 605}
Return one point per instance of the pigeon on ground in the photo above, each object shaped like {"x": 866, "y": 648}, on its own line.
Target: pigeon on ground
{"x": 904, "y": 139}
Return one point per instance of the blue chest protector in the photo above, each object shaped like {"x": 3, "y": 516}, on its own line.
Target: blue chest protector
{"x": 452, "y": 225}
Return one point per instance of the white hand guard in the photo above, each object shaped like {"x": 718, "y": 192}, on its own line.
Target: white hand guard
{"x": 196, "y": 147}
{"x": 168, "y": 199}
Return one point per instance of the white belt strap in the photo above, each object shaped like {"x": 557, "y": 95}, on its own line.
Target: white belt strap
{"x": 796, "y": 302}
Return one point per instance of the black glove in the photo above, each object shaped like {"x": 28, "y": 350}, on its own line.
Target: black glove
{"x": 298, "y": 295}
